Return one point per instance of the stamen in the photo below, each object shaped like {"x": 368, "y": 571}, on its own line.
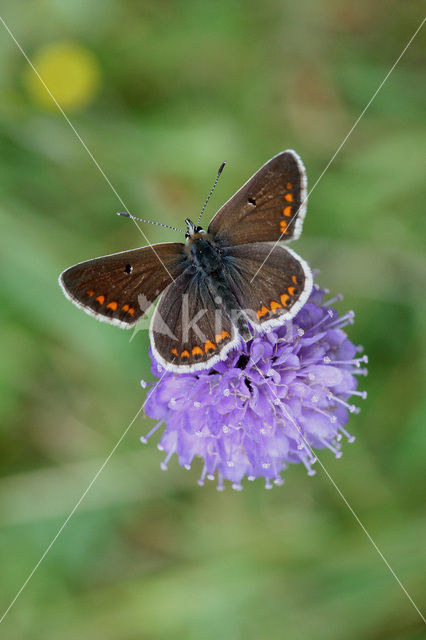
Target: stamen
{"x": 332, "y": 448}
{"x": 361, "y": 394}
{"x": 350, "y": 407}
{"x": 337, "y": 298}
{"x": 332, "y": 418}
{"x": 165, "y": 462}
{"x": 144, "y": 439}
{"x": 360, "y": 372}
{"x": 342, "y": 321}
{"x": 355, "y": 361}
{"x": 329, "y": 315}
{"x": 220, "y": 485}
{"x": 348, "y": 435}
{"x": 311, "y": 472}
{"x": 202, "y": 477}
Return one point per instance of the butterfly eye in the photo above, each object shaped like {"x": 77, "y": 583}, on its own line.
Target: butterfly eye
{"x": 128, "y": 268}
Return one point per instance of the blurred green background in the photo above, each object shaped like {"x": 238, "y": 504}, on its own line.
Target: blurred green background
{"x": 161, "y": 93}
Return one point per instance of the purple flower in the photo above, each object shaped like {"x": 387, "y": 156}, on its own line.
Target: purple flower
{"x": 270, "y": 403}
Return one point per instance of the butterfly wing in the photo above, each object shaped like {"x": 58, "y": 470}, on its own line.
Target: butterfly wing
{"x": 270, "y": 206}
{"x": 277, "y": 296}
{"x": 119, "y": 288}
{"x": 189, "y": 329}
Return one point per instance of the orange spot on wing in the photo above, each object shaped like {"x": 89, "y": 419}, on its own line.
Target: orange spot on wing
{"x": 288, "y": 197}
{"x": 289, "y": 185}
{"x": 275, "y": 306}
{"x": 100, "y": 299}
{"x": 209, "y": 346}
{"x": 174, "y": 351}
{"x": 291, "y": 290}
{"x": 284, "y": 299}
{"x": 262, "y": 312}
{"x": 184, "y": 354}
{"x": 294, "y": 279}
{"x": 125, "y": 307}
{"x": 90, "y": 293}
{"x": 112, "y": 305}
{"x": 197, "y": 351}
{"x": 131, "y": 311}
{"x": 287, "y": 211}
{"x": 220, "y": 337}
{"x": 283, "y": 227}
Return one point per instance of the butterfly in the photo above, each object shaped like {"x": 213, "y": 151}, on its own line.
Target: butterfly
{"x": 220, "y": 286}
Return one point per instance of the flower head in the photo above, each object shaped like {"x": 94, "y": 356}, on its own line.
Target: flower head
{"x": 272, "y": 402}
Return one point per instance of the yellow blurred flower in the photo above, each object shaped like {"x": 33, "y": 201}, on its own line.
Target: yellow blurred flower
{"x": 70, "y": 71}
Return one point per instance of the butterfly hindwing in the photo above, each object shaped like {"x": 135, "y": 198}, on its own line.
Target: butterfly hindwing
{"x": 269, "y": 207}
{"x": 274, "y": 294}
{"x": 119, "y": 288}
{"x": 190, "y": 330}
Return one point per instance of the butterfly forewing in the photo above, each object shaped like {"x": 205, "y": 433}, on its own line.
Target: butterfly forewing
{"x": 270, "y": 206}
{"x": 277, "y": 292}
{"x": 119, "y": 288}
{"x": 190, "y": 329}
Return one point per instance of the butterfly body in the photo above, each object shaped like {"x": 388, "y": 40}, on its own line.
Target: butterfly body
{"x": 203, "y": 252}
{"x": 219, "y": 287}
{"x": 212, "y": 262}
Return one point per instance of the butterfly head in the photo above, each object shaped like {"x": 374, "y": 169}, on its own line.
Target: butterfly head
{"x": 192, "y": 229}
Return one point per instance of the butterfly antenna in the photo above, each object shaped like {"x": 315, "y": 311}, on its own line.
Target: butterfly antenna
{"x": 211, "y": 192}
{"x": 158, "y": 224}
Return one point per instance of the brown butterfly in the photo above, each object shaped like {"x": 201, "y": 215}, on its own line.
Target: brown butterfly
{"x": 220, "y": 285}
